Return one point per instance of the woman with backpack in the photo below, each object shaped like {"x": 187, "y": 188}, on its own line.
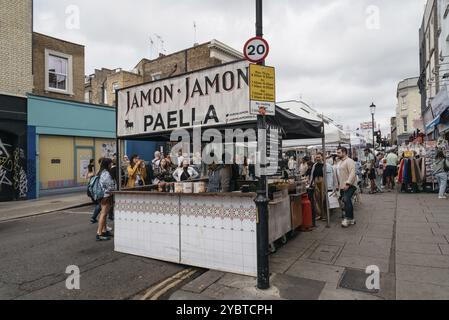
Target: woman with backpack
{"x": 108, "y": 185}
{"x": 441, "y": 168}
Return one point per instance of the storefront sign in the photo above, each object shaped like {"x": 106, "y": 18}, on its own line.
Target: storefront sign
{"x": 211, "y": 97}
{"x": 262, "y": 90}
{"x": 440, "y": 103}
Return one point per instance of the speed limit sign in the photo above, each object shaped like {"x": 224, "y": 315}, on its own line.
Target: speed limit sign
{"x": 256, "y": 49}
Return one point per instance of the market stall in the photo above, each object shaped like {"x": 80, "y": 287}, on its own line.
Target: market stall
{"x": 186, "y": 224}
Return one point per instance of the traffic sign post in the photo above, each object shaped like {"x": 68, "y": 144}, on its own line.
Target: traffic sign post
{"x": 256, "y": 49}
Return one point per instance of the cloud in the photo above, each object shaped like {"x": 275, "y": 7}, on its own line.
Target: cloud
{"x": 325, "y": 51}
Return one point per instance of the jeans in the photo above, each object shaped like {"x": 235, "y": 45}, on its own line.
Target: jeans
{"x": 442, "y": 182}
{"x": 347, "y": 200}
{"x": 96, "y": 212}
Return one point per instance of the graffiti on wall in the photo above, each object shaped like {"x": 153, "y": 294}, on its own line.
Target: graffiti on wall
{"x": 6, "y": 166}
{"x": 20, "y": 176}
{"x": 108, "y": 150}
{"x": 12, "y": 170}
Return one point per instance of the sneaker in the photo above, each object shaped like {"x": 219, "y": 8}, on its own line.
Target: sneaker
{"x": 352, "y": 222}
{"x": 108, "y": 228}
{"x": 345, "y": 223}
{"x": 443, "y": 197}
{"x": 102, "y": 238}
{"x": 108, "y": 234}
{"x": 93, "y": 221}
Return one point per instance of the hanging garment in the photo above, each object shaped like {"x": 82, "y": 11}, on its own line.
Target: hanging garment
{"x": 413, "y": 171}
{"x": 401, "y": 171}
{"x": 418, "y": 171}
{"x": 405, "y": 174}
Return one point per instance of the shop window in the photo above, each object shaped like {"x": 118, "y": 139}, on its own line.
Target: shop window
{"x": 405, "y": 121}
{"x": 58, "y": 72}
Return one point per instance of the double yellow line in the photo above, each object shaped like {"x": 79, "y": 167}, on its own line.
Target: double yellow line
{"x": 157, "y": 291}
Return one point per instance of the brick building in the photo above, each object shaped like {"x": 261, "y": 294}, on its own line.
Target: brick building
{"x": 100, "y": 87}
{"x": 16, "y": 81}
{"x": 58, "y": 68}
{"x": 16, "y": 47}
{"x": 64, "y": 132}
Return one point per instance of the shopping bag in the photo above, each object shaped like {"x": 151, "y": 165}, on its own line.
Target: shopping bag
{"x": 333, "y": 200}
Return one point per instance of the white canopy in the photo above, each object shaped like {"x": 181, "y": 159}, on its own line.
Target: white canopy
{"x": 333, "y": 134}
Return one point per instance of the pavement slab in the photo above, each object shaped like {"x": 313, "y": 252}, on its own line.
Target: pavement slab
{"x": 424, "y": 260}
{"x": 437, "y": 276}
{"x": 417, "y": 247}
{"x": 412, "y": 290}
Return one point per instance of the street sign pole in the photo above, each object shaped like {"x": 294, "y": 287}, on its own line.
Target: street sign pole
{"x": 263, "y": 273}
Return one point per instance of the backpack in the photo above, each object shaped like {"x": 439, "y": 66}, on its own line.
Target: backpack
{"x": 94, "y": 189}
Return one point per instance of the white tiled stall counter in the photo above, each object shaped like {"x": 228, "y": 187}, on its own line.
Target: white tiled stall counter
{"x": 213, "y": 231}
{"x": 147, "y": 226}
{"x": 219, "y": 233}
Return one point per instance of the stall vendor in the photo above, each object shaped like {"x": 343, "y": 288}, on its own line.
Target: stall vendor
{"x": 165, "y": 172}
{"x": 137, "y": 173}
{"x": 185, "y": 172}
{"x": 214, "y": 178}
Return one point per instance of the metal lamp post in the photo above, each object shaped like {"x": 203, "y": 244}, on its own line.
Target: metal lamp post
{"x": 263, "y": 273}
{"x": 373, "y": 112}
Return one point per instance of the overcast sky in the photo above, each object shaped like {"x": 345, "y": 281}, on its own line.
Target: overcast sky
{"x": 337, "y": 55}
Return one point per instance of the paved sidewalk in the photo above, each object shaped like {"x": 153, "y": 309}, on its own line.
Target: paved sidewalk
{"x": 22, "y": 209}
{"x": 406, "y": 236}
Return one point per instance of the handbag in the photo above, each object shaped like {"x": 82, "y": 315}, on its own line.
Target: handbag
{"x": 334, "y": 203}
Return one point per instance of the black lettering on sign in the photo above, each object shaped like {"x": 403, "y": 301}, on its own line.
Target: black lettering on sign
{"x": 55, "y": 161}
{"x": 172, "y": 120}
{"x": 242, "y": 76}
{"x": 168, "y": 92}
{"x": 228, "y": 81}
{"x": 197, "y": 89}
{"x": 157, "y": 96}
{"x": 145, "y": 98}
{"x": 211, "y": 115}
{"x": 159, "y": 122}
{"x": 148, "y": 122}
{"x": 215, "y": 84}
{"x": 182, "y": 124}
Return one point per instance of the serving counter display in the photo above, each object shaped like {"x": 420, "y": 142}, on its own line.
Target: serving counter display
{"x": 208, "y": 230}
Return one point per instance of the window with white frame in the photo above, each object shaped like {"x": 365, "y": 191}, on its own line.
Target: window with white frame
{"x": 115, "y": 87}
{"x": 156, "y": 76}
{"x": 405, "y": 121}
{"x": 58, "y": 72}
{"x": 105, "y": 96}
{"x": 404, "y": 102}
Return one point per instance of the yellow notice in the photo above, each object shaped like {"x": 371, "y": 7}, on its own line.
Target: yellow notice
{"x": 262, "y": 83}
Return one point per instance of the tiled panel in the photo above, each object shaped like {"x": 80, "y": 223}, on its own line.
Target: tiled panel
{"x": 148, "y": 226}
{"x": 219, "y": 233}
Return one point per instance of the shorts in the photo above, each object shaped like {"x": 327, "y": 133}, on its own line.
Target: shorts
{"x": 391, "y": 171}
{"x": 372, "y": 174}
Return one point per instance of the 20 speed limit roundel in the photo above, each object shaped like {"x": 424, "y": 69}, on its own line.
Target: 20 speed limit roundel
{"x": 256, "y": 49}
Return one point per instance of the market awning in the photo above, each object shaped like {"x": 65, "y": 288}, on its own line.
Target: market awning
{"x": 435, "y": 122}
{"x": 296, "y": 127}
